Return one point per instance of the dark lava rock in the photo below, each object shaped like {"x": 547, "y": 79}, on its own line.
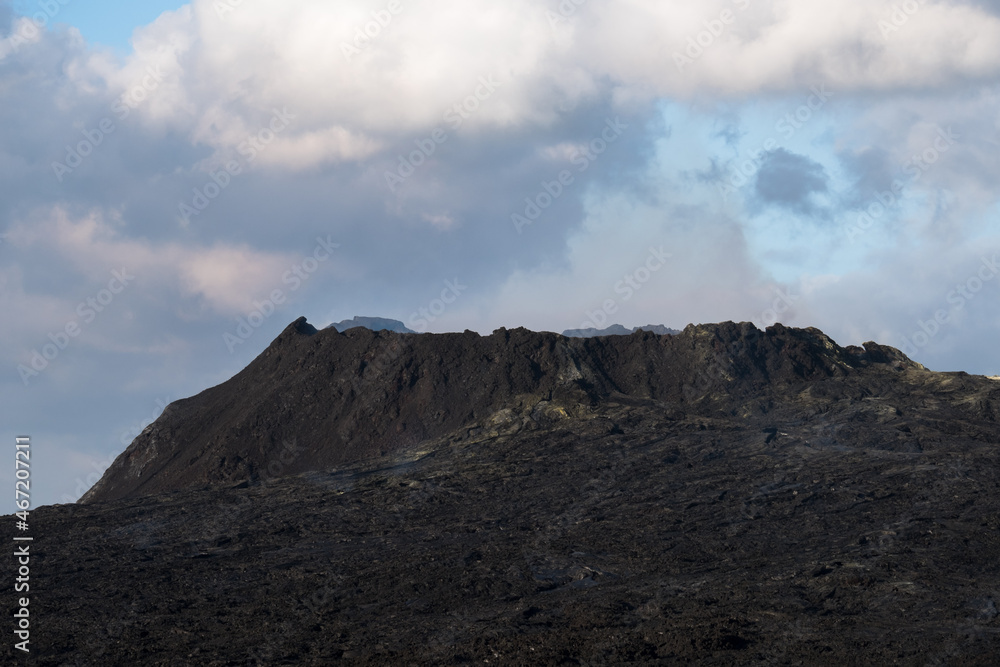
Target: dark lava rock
{"x": 345, "y": 397}
{"x": 723, "y": 496}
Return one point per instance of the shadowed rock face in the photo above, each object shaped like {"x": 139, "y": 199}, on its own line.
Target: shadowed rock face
{"x": 332, "y": 398}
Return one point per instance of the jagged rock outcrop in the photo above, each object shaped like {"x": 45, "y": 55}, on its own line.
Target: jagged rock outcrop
{"x": 336, "y": 398}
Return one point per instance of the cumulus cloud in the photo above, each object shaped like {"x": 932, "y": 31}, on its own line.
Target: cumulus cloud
{"x": 226, "y": 72}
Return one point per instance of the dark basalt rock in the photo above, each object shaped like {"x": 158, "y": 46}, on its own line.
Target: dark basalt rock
{"x": 722, "y": 496}
{"x": 345, "y": 397}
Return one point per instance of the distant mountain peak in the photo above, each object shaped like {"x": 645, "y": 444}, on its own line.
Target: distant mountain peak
{"x": 619, "y": 330}
{"x": 373, "y": 323}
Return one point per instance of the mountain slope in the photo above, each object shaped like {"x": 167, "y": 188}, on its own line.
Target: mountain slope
{"x": 335, "y": 398}
{"x": 855, "y": 521}
{"x": 723, "y": 496}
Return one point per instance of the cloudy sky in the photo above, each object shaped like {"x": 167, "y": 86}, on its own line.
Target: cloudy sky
{"x": 178, "y": 182}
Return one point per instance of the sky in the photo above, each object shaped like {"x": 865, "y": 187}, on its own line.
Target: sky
{"x": 179, "y": 182}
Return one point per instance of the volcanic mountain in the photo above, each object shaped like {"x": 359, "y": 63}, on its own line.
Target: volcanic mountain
{"x": 723, "y": 495}
{"x": 342, "y": 397}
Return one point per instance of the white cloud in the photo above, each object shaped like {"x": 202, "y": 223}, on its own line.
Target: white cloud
{"x": 225, "y": 75}
{"x": 563, "y": 152}
{"x": 789, "y": 45}
{"x": 618, "y": 258}
{"x": 225, "y": 278}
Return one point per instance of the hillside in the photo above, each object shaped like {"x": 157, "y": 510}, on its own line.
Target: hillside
{"x": 723, "y": 496}
{"x": 345, "y": 397}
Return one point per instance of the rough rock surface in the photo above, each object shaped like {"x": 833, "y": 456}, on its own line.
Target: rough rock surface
{"x": 723, "y": 496}
{"x": 345, "y": 397}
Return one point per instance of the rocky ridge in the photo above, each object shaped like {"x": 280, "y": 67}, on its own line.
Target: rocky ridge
{"x": 346, "y": 397}
{"x": 723, "y": 496}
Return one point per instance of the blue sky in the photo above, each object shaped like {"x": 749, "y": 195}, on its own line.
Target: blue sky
{"x": 103, "y": 23}
{"x": 179, "y": 182}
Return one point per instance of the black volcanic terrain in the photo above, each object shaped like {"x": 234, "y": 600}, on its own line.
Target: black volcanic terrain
{"x": 719, "y": 496}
